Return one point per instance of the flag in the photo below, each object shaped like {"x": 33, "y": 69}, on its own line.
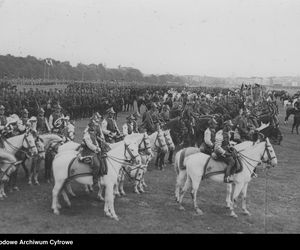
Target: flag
{"x": 49, "y": 62}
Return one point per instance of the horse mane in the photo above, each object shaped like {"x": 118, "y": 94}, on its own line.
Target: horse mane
{"x": 6, "y": 155}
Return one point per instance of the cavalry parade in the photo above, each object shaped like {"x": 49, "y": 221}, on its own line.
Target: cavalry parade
{"x": 207, "y": 132}
{"x": 149, "y": 117}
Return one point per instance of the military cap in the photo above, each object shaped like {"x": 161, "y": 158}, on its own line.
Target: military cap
{"x": 136, "y": 114}
{"x": 41, "y": 110}
{"x": 130, "y": 117}
{"x": 110, "y": 111}
{"x": 228, "y": 123}
{"x": 25, "y": 111}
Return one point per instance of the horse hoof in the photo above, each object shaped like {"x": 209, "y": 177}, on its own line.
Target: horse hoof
{"x": 37, "y": 183}
{"x": 56, "y": 212}
{"x": 181, "y": 208}
{"x": 1, "y": 198}
{"x": 116, "y": 218}
{"x": 30, "y": 183}
{"x": 233, "y": 215}
{"x": 16, "y": 189}
{"x": 199, "y": 211}
{"x": 247, "y": 213}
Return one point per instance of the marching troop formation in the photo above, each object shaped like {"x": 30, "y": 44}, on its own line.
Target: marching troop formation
{"x": 211, "y": 120}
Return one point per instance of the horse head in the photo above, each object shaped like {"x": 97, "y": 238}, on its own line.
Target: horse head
{"x": 269, "y": 156}
{"x": 29, "y": 142}
{"x": 169, "y": 140}
{"x": 131, "y": 152}
{"x": 145, "y": 144}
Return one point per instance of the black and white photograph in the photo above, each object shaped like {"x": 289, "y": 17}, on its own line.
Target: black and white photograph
{"x": 149, "y": 117}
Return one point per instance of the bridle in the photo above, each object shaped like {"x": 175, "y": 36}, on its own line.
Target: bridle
{"x": 23, "y": 151}
{"x": 145, "y": 141}
{"x": 158, "y": 138}
{"x": 5, "y": 172}
{"x": 169, "y": 141}
{"x": 247, "y": 159}
{"x": 132, "y": 156}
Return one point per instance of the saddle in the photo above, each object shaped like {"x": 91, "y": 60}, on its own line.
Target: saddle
{"x": 97, "y": 162}
{"x": 215, "y": 165}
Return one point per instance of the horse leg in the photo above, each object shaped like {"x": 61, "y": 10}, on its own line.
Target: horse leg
{"x": 228, "y": 195}
{"x": 244, "y": 203}
{"x": 109, "y": 199}
{"x": 237, "y": 189}
{"x": 170, "y": 158}
{"x": 66, "y": 198}
{"x": 187, "y": 185}
{"x": 179, "y": 184}
{"x": 13, "y": 181}
{"x": 55, "y": 192}
{"x": 25, "y": 169}
{"x": 195, "y": 185}
{"x": 1, "y": 191}
{"x": 70, "y": 190}
{"x": 37, "y": 168}
{"x": 31, "y": 167}
{"x": 99, "y": 195}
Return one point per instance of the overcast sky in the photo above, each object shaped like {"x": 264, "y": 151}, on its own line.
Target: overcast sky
{"x": 200, "y": 37}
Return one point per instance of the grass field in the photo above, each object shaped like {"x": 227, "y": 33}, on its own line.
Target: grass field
{"x": 273, "y": 200}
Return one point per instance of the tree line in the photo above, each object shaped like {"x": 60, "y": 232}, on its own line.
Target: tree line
{"x": 30, "y": 67}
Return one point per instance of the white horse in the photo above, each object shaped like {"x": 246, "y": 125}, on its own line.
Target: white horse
{"x": 8, "y": 164}
{"x": 125, "y": 153}
{"x": 16, "y": 144}
{"x": 159, "y": 145}
{"x": 180, "y": 168}
{"x": 250, "y": 157}
{"x": 136, "y": 174}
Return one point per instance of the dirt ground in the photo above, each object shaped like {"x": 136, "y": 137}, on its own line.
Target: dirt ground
{"x": 273, "y": 200}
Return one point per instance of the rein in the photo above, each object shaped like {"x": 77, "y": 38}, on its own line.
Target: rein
{"x": 136, "y": 174}
{"x": 18, "y": 149}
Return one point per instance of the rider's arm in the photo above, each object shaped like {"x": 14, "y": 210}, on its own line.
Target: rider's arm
{"x": 104, "y": 128}
{"x": 218, "y": 144}
{"x": 125, "y": 129}
{"x": 51, "y": 122}
{"x": 47, "y": 124}
{"x": 207, "y": 138}
{"x": 89, "y": 143}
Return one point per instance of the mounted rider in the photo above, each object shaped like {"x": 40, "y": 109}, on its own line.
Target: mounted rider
{"x": 207, "y": 146}
{"x": 24, "y": 116}
{"x": 3, "y": 122}
{"x": 242, "y": 125}
{"x": 136, "y": 115}
{"x": 42, "y": 125}
{"x": 128, "y": 126}
{"x": 150, "y": 118}
{"x": 91, "y": 152}
{"x": 110, "y": 128}
{"x": 224, "y": 151}
{"x": 56, "y": 120}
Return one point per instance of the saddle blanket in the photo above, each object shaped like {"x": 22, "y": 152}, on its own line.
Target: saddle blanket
{"x": 214, "y": 167}
{"x": 186, "y": 152}
{"x": 78, "y": 169}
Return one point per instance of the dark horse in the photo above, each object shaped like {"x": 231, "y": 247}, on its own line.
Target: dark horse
{"x": 289, "y": 111}
{"x": 273, "y": 133}
{"x": 296, "y": 121}
{"x": 177, "y": 132}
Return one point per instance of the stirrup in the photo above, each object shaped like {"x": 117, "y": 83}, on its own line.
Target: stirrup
{"x": 253, "y": 175}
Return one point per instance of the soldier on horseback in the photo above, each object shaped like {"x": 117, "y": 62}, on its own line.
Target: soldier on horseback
{"x": 136, "y": 115}
{"x": 92, "y": 152}
{"x": 128, "y": 126}
{"x": 56, "y": 120}
{"x": 42, "y": 125}
{"x": 3, "y": 122}
{"x": 207, "y": 146}
{"x": 110, "y": 128}
{"x": 224, "y": 151}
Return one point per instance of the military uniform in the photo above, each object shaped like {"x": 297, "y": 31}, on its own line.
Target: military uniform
{"x": 110, "y": 127}
{"x": 128, "y": 126}
{"x": 42, "y": 125}
{"x": 3, "y": 122}
{"x": 56, "y": 121}
{"x": 222, "y": 149}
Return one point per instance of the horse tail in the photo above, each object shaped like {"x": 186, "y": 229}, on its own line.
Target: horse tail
{"x": 176, "y": 162}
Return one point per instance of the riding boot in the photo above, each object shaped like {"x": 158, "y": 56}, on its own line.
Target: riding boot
{"x": 170, "y": 159}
